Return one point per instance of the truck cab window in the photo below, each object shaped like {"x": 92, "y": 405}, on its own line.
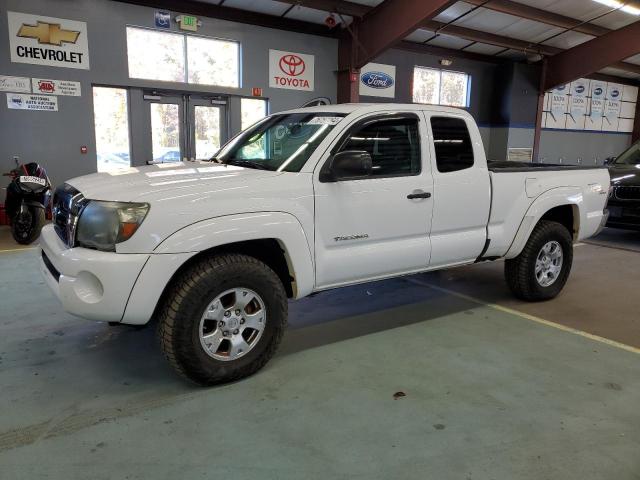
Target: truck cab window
{"x": 452, "y": 144}
{"x": 394, "y": 146}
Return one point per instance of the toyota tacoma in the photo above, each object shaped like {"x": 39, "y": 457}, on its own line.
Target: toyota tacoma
{"x": 304, "y": 201}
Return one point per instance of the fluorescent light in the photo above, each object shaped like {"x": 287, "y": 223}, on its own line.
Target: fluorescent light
{"x": 625, "y": 6}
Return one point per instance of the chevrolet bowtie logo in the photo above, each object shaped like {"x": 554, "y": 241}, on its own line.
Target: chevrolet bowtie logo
{"x": 48, "y": 33}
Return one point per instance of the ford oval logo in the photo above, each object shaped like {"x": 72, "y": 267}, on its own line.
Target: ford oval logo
{"x": 377, "y": 80}
{"x": 598, "y": 91}
{"x": 580, "y": 89}
{"x": 615, "y": 93}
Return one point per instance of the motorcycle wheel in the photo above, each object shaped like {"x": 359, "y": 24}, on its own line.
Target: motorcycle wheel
{"x": 26, "y": 228}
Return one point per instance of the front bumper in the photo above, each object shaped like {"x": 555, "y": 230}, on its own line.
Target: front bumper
{"x": 624, "y": 215}
{"x": 89, "y": 283}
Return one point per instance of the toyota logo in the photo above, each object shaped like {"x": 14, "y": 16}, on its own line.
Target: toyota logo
{"x": 292, "y": 65}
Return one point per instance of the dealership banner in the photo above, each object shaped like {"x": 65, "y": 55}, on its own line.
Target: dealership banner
{"x": 41, "y": 40}
{"x": 14, "y": 84}
{"x": 612, "y": 109}
{"x": 578, "y": 104}
{"x": 559, "y": 100}
{"x": 21, "y": 101}
{"x": 598, "y": 94}
{"x": 378, "y": 80}
{"x": 56, "y": 87}
{"x": 293, "y": 71}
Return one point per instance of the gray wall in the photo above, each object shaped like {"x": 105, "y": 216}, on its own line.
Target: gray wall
{"x": 54, "y": 138}
{"x": 584, "y": 148}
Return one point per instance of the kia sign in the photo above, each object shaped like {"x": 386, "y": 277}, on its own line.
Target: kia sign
{"x": 378, "y": 80}
{"x": 290, "y": 70}
{"x": 50, "y": 41}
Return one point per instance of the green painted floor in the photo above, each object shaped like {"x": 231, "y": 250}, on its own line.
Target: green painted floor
{"x": 488, "y": 395}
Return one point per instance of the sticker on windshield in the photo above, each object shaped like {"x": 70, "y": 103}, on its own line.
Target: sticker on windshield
{"x": 324, "y": 121}
{"x": 281, "y": 131}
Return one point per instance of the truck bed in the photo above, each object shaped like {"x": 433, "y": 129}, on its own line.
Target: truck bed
{"x": 499, "y": 166}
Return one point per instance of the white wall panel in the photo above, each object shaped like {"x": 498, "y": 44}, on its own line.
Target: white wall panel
{"x": 630, "y": 93}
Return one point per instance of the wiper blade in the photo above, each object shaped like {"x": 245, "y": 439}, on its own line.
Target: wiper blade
{"x": 247, "y": 163}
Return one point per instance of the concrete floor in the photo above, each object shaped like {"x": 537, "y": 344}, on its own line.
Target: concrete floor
{"x": 490, "y": 394}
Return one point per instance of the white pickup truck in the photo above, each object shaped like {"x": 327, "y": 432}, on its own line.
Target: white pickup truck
{"x": 304, "y": 201}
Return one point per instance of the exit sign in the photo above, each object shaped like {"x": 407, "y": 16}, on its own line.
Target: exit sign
{"x": 188, "y": 22}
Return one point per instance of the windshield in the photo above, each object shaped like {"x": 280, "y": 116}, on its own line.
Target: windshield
{"x": 631, "y": 156}
{"x": 279, "y": 142}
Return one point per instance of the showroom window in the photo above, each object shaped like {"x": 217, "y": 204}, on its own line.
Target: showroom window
{"x": 175, "y": 57}
{"x": 252, "y": 110}
{"x": 394, "y": 146}
{"x": 454, "y": 150}
{"x": 155, "y": 55}
{"x": 111, "y": 122}
{"x": 213, "y": 61}
{"x": 441, "y": 87}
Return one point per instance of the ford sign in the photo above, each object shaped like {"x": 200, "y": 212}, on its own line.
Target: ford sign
{"x": 580, "y": 89}
{"x": 615, "y": 93}
{"x": 598, "y": 91}
{"x": 377, "y": 80}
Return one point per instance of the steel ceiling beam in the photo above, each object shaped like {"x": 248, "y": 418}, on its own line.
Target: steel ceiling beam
{"x": 489, "y": 38}
{"x": 515, "y": 44}
{"x": 542, "y": 16}
{"x": 332, "y": 6}
{"x": 606, "y": 51}
{"x": 381, "y": 28}
{"x": 390, "y": 22}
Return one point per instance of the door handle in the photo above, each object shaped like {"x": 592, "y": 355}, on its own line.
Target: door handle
{"x": 418, "y": 194}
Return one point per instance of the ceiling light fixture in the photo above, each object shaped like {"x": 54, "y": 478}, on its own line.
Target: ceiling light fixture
{"x": 632, "y": 7}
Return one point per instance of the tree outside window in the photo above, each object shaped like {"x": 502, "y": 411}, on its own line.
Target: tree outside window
{"x": 440, "y": 87}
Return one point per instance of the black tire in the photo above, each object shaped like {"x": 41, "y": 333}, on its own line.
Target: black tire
{"x": 26, "y": 237}
{"x": 520, "y": 271}
{"x": 180, "y": 314}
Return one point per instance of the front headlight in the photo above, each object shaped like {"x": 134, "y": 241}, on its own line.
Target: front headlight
{"x": 103, "y": 224}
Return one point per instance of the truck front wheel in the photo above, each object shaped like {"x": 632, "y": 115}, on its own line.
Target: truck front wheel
{"x": 543, "y": 266}
{"x": 223, "y": 319}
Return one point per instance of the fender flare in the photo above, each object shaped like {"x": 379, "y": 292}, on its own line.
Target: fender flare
{"x": 172, "y": 253}
{"x": 555, "y": 197}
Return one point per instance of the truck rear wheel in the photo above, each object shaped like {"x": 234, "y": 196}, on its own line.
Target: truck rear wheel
{"x": 542, "y": 268}
{"x": 223, "y": 319}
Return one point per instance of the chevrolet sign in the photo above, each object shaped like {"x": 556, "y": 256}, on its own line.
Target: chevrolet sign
{"x": 50, "y": 41}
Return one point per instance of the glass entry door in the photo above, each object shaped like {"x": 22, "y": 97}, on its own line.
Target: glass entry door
{"x": 206, "y": 129}
{"x": 185, "y": 127}
{"x": 167, "y": 135}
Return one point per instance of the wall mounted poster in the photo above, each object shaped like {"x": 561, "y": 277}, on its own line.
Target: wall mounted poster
{"x": 578, "y": 104}
{"x": 598, "y": 93}
{"x": 559, "y": 100}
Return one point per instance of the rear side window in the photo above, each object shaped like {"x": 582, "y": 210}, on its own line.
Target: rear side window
{"x": 452, "y": 143}
{"x": 394, "y": 146}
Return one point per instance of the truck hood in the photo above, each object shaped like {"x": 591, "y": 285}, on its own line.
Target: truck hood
{"x": 625, "y": 174}
{"x": 156, "y": 181}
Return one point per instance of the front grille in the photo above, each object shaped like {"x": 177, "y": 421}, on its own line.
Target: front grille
{"x": 627, "y": 192}
{"x": 66, "y": 208}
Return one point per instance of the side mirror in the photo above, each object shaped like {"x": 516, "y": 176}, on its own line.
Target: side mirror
{"x": 609, "y": 160}
{"x": 347, "y": 165}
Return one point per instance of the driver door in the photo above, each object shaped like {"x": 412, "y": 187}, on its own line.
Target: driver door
{"x": 369, "y": 228}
